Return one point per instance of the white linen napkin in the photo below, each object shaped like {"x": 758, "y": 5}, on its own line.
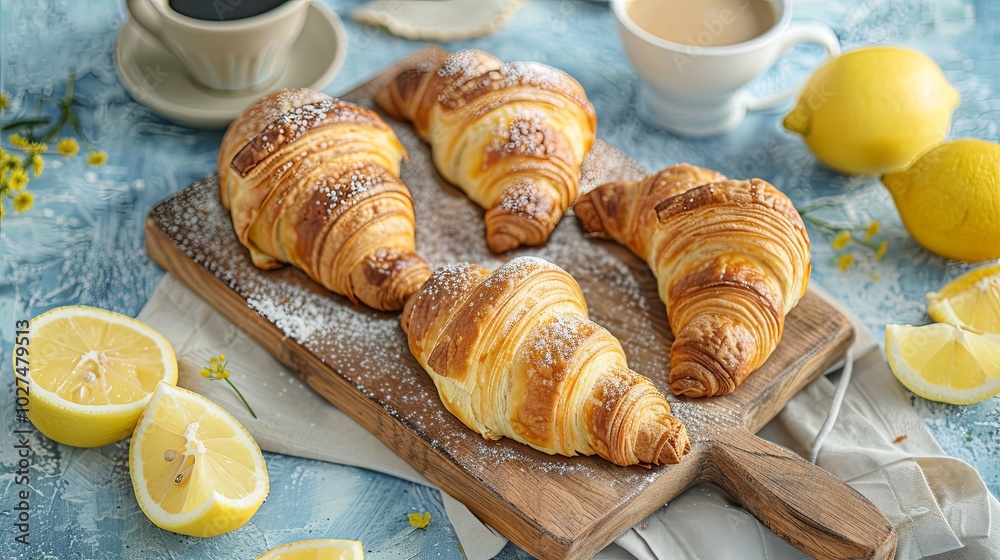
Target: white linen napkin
{"x": 309, "y": 426}
{"x": 441, "y": 20}
{"x": 936, "y": 503}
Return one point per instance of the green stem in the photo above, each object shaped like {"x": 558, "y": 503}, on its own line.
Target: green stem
{"x": 27, "y": 123}
{"x": 824, "y": 225}
{"x": 815, "y": 206}
{"x": 245, "y": 403}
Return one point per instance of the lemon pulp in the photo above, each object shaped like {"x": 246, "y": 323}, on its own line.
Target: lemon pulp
{"x": 92, "y": 372}
{"x": 944, "y": 362}
{"x": 317, "y": 549}
{"x": 971, "y": 300}
{"x": 195, "y": 469}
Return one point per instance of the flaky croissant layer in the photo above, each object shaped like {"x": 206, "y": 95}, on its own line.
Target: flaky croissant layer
{"x": 511, "y": 136}
{"x": 513, "y": 354}
{"x": 732, "y": 261}
{"x": 313, "y": 182}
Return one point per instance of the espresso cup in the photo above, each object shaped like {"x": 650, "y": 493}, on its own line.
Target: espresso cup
{"x": 225, "y": 54}
{"x": 695, "y": 90}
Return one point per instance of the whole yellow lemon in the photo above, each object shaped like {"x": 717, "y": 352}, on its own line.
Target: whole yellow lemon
{"x": 873, "y": 110}
{"x": 949, "y": 199}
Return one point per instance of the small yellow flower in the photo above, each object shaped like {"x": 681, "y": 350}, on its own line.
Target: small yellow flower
{"x": 845, "y": 261}
{"x": 68, "y": 147}
{"x": 19, "y": 141}
{"x": 882, "y": 248}
{"x": 4, "y": 101}
{"x": 23, "y": 201}
{"x": 420, "y": 520}
{"x": 97, "y": 158}
{"x": 37, "y": 164}
{"x": 217, "y": 370}
{"x": 842, "y": 239}
{"x": 35, "y": 148}
{"x": 7, "y": 161}
{"x": 872, "y": 230}
{"x": 17, "y": 178}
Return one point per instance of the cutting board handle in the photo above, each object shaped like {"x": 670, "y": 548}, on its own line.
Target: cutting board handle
{"x": 808, "y": 507}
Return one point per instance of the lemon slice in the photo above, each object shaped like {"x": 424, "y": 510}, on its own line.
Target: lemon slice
{"x": 944, "y": 363}
{"x": 319, "y": 549}
{"x": 971, "y": 300}
{"x": 90, "y": 372}
{"x": 195, "y": 469}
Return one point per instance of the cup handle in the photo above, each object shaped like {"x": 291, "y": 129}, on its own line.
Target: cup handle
{"x": 145, "y": 15}
{"x": 805, "y": 32}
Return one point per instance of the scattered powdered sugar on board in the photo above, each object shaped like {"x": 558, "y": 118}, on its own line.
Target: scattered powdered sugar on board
{"x": 369, "y": 350}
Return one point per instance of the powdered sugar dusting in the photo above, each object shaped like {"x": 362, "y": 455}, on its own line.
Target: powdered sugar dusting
{"x": 478, "y": 69}
{"x": 296, "y": 122}
{"x": 522, "y": 197}
{"x": 558, "y": 338}
{"x": 369, "y": 350}
{"x": 524, "y": 135}
{"x": 606, "y": 164}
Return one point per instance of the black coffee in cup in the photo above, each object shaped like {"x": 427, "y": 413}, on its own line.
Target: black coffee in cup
{"x": 223, "y": 10}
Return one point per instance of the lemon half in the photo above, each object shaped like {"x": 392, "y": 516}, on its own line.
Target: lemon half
{"x": 91, "y": 372}
{"x": 318, "y": 549}
{"x": 971, "y": 300}
{"x": 944, "y": 363}
{"x": 195, "y": 469}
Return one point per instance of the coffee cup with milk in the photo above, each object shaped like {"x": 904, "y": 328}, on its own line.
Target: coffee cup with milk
{"x": 696, "y": 56}
{"x": 227, "y": 45}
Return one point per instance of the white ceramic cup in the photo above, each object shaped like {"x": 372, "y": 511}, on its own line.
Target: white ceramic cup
{"x": 697, "y": 90}
{"x": 225, "y": 55}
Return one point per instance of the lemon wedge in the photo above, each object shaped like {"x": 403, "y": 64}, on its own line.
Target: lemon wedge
{"x": 90, "y": 373}
{"x": 971, "y": 300}
{"x": 319, "y": 549}
{"x": 195, "y": 469}
{"x": 944, "y": 362}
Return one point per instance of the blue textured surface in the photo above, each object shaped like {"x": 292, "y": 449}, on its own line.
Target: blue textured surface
{"x": 83, "y": 243}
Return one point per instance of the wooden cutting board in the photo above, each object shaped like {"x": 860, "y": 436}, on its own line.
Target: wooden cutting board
{"x": 554, "y": 507}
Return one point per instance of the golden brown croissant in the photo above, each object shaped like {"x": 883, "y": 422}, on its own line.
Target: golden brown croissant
{"x": 313, "y": 181}
{"x": 511, "y": 136}
{"x": 513, "y": 354}
{"x": 731, "y": 259}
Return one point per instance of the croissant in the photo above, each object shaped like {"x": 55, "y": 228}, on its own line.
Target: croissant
{"x": 731, "y": 259}
{"x": 513, "y": 354}
{"x": 511, "y": 136}
{"x": 312, "y": 181}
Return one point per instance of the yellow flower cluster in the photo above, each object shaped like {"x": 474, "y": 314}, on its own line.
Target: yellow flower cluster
{"x": 217, "y": 370}
{"x": 844, "y": 237}
{"x": 15, "y": 168}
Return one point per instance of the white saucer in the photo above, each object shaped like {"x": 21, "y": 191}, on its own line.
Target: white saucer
{"x": 154, "y": 77}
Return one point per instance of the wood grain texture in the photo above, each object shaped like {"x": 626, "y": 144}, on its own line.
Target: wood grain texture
{"x": 554, "y": 507}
